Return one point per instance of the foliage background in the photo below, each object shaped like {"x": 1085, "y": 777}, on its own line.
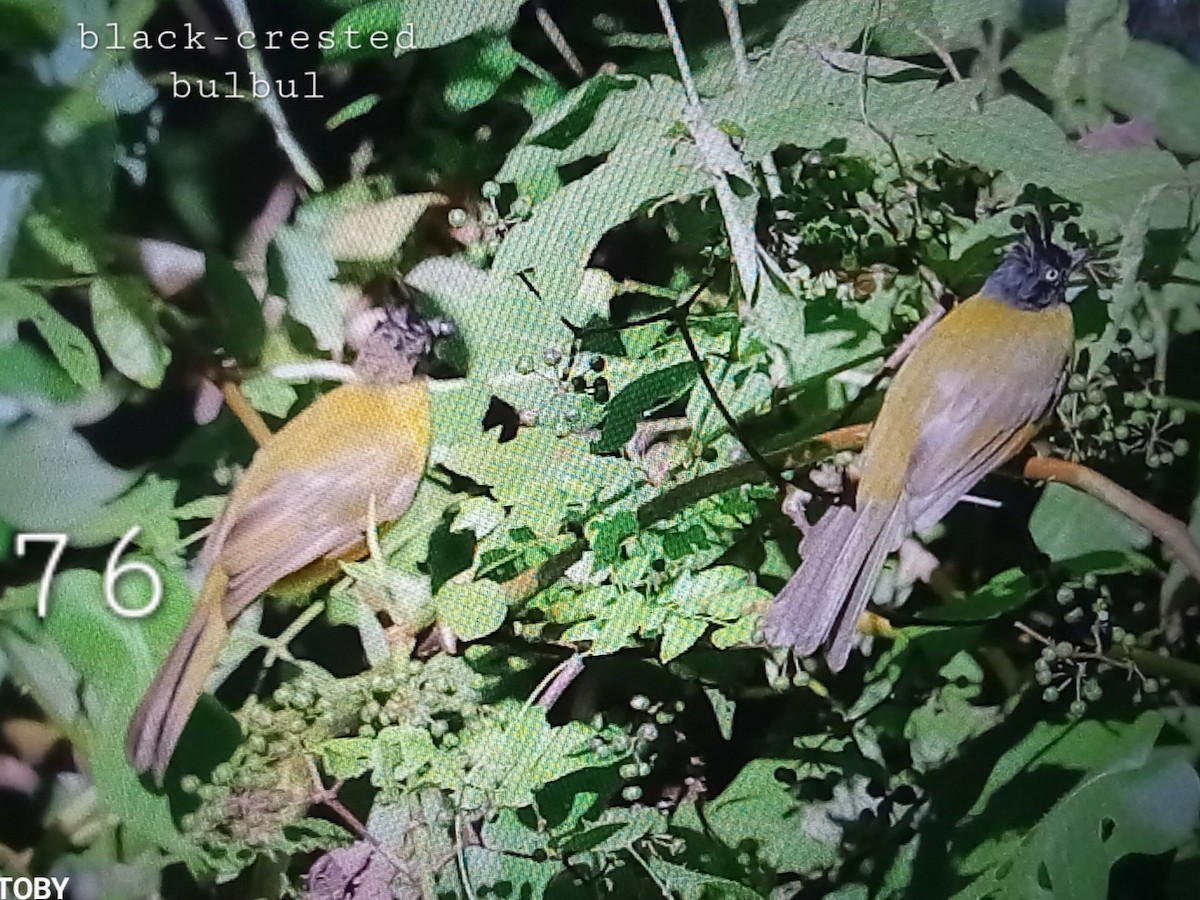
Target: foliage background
{"x": 847, "y": 156}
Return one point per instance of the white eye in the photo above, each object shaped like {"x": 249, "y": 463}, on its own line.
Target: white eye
{"x": 1052, "y": 275}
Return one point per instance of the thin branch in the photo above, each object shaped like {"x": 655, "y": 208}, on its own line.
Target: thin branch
{"x": 734, "y": 428}
{"x": 737, "y": 42}
{"x": 685, "y": 70}
{"x": 562, "y": 676}
{"x": 236, "y": 400}
{"x": 270, "y": 103}
{"x": 328, "y": 797}
{"x": 941, "y": 53}
{"x": 559, "y": 40}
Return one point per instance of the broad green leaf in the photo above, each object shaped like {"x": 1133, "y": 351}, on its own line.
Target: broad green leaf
{"x": 375, "y": 231}
{"x": 269, "y": 394}
{"x": 571, "y": 116}
{"x": 471, "y": 610}
{"x": 430, "y": 25}
{"x": 124, "y": 318}
{"x": 554, "y": 245}
{"x": 69, "y": 345}
{"x": 479, "y": 73}
{"x": 1054, "y": 525}
{"x": 804, "y": 836}
{"x": 25, "y": 371}
{"x": 499, "y": 873}
{"x": 951, "y": 25}
{"x": 52, "y": 479}
{"x": 311, "y": 295}
{"x": 148, "y": 506}
{"x": 538, "y": 473}
{"x": 522, "y": 752}
{"x": 691, "y": 884}
{"x": 641, "y": 396}
{"x": 1147, "y": 81}
{"x": 1139, "y": 802}
{"x": 88, "y": 633}
{"x": 679, "y": 635}
{"x": 346, "y": 758}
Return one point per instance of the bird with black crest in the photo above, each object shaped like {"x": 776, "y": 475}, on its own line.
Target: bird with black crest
{"x": 972, "y": 394}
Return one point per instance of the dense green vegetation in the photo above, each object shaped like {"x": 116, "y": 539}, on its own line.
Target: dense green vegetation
{"x": 1022, "y": 723}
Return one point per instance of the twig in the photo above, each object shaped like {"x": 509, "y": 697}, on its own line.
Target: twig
{"x": 461, "y": 858}
{"x": 735, "y": 429}
{"x": 328, "y": 797}
{"x": 278, "y": 646}
{"x": 270, "y": 103}
{"x": 247, "y": 414}
{"x": 561, "y": 678}
{"x": 559, "y": 40}
{"x": 737, "y": 42}
{"x": 941, "y": 53}
{"x": 662, "y": 888}
{"x": 685, "y": 70}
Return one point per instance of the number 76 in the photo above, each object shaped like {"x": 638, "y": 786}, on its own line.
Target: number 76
{"x": 112, "y": 573}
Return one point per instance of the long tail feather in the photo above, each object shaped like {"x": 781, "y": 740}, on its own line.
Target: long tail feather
{"x": 841, "y": 558}
{"x": 168, "y": 703}
{"x": 888, "y": 539}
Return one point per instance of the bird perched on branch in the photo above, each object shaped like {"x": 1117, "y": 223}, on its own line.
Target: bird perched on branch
{"x": 303, "y": 502}
{"x": 971, "y": 395}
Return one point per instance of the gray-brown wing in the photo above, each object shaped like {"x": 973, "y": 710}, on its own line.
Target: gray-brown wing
{"x": 973, "y": 428}
{"x": 304, "y": 516}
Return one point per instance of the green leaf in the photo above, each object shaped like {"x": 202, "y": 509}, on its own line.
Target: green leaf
{"x": 497, "y": 874}
{"x": 1141, "y": 802}
{"x": 521, "y": 753}
{"x": 805, "y": 835}
{"x": 473, "y": 610}
{"x": 236, "y": 310}
{"x": 88, "y": 633}
{"x": 478, "y": 73}
{"x": 642, "y": 395}
{"x": 27, "y": 24}
{"x": 430, "y": 25}
{"x": 52, "y": 479}
{"x": 400, "y": 752}
{"x": 124, "y": 319}
{"x": 1054, "y": 525}
{"x": 69, "y": 345}
{"x": 690, "y": 884}
{"x": 148, "y": 506}
{"x": 607, "y": 535}
{"x": 571, "y": 116}
{"x": 269, "y": 394}
{"x": 724, "y": 709}
{"x": 347, "y": 758}
{"x": 25, "y": 371}
{"x": 679, "y": 636}
{"x": 353, "y": 110}
{"x": 556, "y": 242}
{"x": 310, "y": 292}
